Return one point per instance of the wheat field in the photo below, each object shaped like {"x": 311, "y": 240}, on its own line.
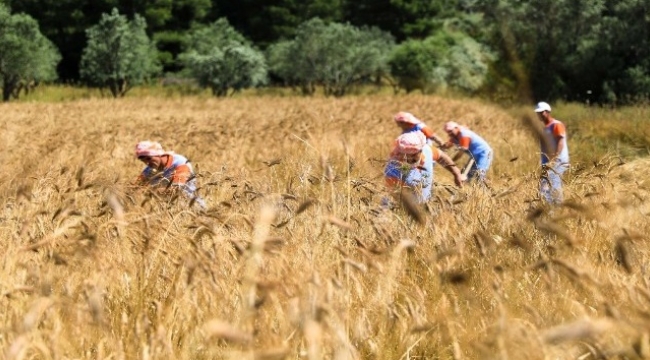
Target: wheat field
{"x": 294, "y": 258}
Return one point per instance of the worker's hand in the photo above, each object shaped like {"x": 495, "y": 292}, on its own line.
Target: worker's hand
{"x": 446, "y": 145}
{"x": 459, "y": 180}
{"x": 168, "y": 190}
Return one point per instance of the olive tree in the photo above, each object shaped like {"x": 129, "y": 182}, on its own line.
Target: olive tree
{"x": 336, "y": 56}
{"x": 221, "y": 59}
{"x": 119, "y": 54}
{"x": 445, "y": 60}
{"x": 26, "y": 56}
{"x": 412, "y": 66}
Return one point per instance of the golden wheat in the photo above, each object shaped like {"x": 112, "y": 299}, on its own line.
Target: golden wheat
{"x": 295, "y": 257}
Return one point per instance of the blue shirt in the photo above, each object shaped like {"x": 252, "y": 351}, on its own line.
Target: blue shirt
{"x": 418, "y": 177}
{"x": 477, "y": 146}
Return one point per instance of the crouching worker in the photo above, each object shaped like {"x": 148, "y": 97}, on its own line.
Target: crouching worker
{"x": 412, "y": 162}
{"x": 167, "y": 171}
{"x": 472, "y": 144}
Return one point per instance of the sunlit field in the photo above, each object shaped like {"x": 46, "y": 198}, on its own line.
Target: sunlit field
{"x": 294, "y": 257}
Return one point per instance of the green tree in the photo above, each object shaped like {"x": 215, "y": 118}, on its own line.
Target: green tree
{"x": 221, "y": 59}
{"x": 404, "y": 19}
{"x": 412, "y": 65}
{"x": 336, "y": 56}
{"x": 26, "y": 55}
{"x": 167, "y": 23}
{"x": 468, "y": 62}
{"x": 616, "y": 51}
{"x": 448, "y": 59}
{"x": 276, "y": 57}
{"x": 251, "y": 17}
{"x": 575, "y": 49}
{"x": 119, "y": 54}
{"x": 64, "y": 22}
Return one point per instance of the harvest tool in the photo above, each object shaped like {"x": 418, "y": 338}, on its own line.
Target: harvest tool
{"x": 466, "y": 169}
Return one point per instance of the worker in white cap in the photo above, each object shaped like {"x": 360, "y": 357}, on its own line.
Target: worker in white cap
{"x": 554, "y": 154}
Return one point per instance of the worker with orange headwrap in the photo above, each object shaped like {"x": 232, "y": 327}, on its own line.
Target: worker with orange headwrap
{"x": 409, "y": 123}
{"x": 411, "y": 165}
{"x": 167, "y": 170}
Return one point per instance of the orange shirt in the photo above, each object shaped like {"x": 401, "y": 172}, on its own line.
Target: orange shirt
{"x": 177, "y": 170}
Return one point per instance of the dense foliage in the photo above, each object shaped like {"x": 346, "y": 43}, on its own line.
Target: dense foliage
{"x": 584, "y": 50}
{"x": 574, "y": 49}
{"x": 221, "y": 59}
{"x": 445, "y": 60}
{"x": 334, "y": 55}
{"x": 119, "y": 54}
{"x": 26, "y": 56}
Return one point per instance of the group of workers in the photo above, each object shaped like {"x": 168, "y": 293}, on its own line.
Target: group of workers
{"x": 411, "y": 162}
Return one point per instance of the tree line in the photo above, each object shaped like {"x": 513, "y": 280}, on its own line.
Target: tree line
{"x": 576, "y": 50}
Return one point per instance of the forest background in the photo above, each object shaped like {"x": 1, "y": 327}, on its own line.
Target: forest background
{"x": 505, "y": 50}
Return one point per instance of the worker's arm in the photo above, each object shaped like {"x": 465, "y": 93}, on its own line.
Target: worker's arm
{"x": 560, "y": 146}
{"x": 559, "y": 132}
{"x": 463, "y": 144}
{"x": 432, "y": 135}
{"x": 445, "y": 161}
{"x": 143, "y": 178}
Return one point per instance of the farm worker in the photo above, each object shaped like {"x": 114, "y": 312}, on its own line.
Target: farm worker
{"x": 472, "y": 144}
{"x": 554, "y": 154}
{"x": 411, "y": 165}
{"x": 409, "y": 123}
{"x": 166, "y": 170}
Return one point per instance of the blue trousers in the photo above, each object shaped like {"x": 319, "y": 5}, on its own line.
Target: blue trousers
{"x": 481, "y": 166}
{"x": 550, "y": 185}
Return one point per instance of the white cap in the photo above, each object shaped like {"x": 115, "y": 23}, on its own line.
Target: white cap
{"x": 542, "y": 106}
